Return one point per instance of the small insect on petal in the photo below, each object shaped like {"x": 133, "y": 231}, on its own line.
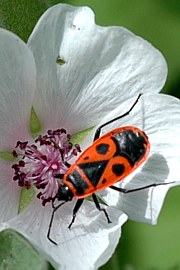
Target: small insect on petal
{"x": 60, "y": 61}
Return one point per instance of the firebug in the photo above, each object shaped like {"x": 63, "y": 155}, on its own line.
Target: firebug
{"x": 107, "y": 161}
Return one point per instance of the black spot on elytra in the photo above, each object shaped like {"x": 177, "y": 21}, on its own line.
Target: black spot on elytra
{"x": 118, "y": 169}
{"x": 104, "y": 180}
{"x": 102, "y": 148}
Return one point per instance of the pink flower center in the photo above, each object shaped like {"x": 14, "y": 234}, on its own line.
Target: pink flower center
{"x": 40, "y": 163}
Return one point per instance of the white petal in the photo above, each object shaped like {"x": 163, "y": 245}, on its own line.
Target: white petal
{"x": 103, "y": 66}
{"x": 17, "y": 86}
{"x": 159, "y": 116}
{"x": 9, "y": 193}
{"x": 89, "y": 243}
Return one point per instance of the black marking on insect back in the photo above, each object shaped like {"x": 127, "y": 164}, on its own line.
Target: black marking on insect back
{"x": 104, "y": 180}
{"x": 86, "y": 158}
{"x": 94, "y": 170}
{"x": 131, "y": 145}
{"x": 121, "y": 153}
{"x": 77, "y": 181}
{"x": 118, "y": 169}
{"x": 102, "y": 148}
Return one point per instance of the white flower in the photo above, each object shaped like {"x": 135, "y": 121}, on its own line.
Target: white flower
{"x": 76, "y": 74}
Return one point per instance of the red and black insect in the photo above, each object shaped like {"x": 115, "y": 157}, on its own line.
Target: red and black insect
{"x": 108, "y": 160}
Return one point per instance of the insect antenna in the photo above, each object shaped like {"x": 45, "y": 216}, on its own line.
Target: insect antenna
{"x": 98, "y": 130}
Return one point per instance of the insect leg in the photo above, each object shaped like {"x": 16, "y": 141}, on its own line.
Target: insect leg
{"x": 124, "y": 190}
{"x": 99, "y": 207}
{"x": 75, "y": 210}
{"x": 62, "y": 157}
{"x": 98, "y": 130}
{"x": 55, "y": 208}
{"x": 62, "y": 154}
{"x": 59, "y": 175}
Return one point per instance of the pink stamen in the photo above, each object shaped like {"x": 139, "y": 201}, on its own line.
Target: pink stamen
{"x": 40, "y": 162}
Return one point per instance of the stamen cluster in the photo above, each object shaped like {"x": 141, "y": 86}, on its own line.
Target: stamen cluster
{"x": 41, "y": 162}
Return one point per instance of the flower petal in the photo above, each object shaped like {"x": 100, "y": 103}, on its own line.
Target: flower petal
{"x": 17, "y": 86}
{"x": 9, "y": 193}
{"x": 85, "y": 71}
{"x": 159, "y": 116}
{"x": 89, "y": 243}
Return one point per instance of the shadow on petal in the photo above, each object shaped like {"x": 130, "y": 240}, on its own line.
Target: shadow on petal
{"x": 136, "y": 204}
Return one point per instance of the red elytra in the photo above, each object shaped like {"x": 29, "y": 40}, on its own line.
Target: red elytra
{"x": 108, "y": 160}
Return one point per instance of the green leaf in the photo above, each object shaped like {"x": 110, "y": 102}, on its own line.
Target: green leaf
{"x": 20, "y": 16}
{"x": 35, "y": 124}
{"x": 26, "y": 197}
{"x": 7, "y": 155}
{"x": 80, "y": 136}
{"x": 17, "y": 253}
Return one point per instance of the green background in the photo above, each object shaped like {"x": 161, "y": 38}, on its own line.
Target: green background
{"x": 142, "y": 246}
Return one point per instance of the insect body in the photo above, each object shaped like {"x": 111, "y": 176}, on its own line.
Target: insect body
{"x": 107, "y": 161}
